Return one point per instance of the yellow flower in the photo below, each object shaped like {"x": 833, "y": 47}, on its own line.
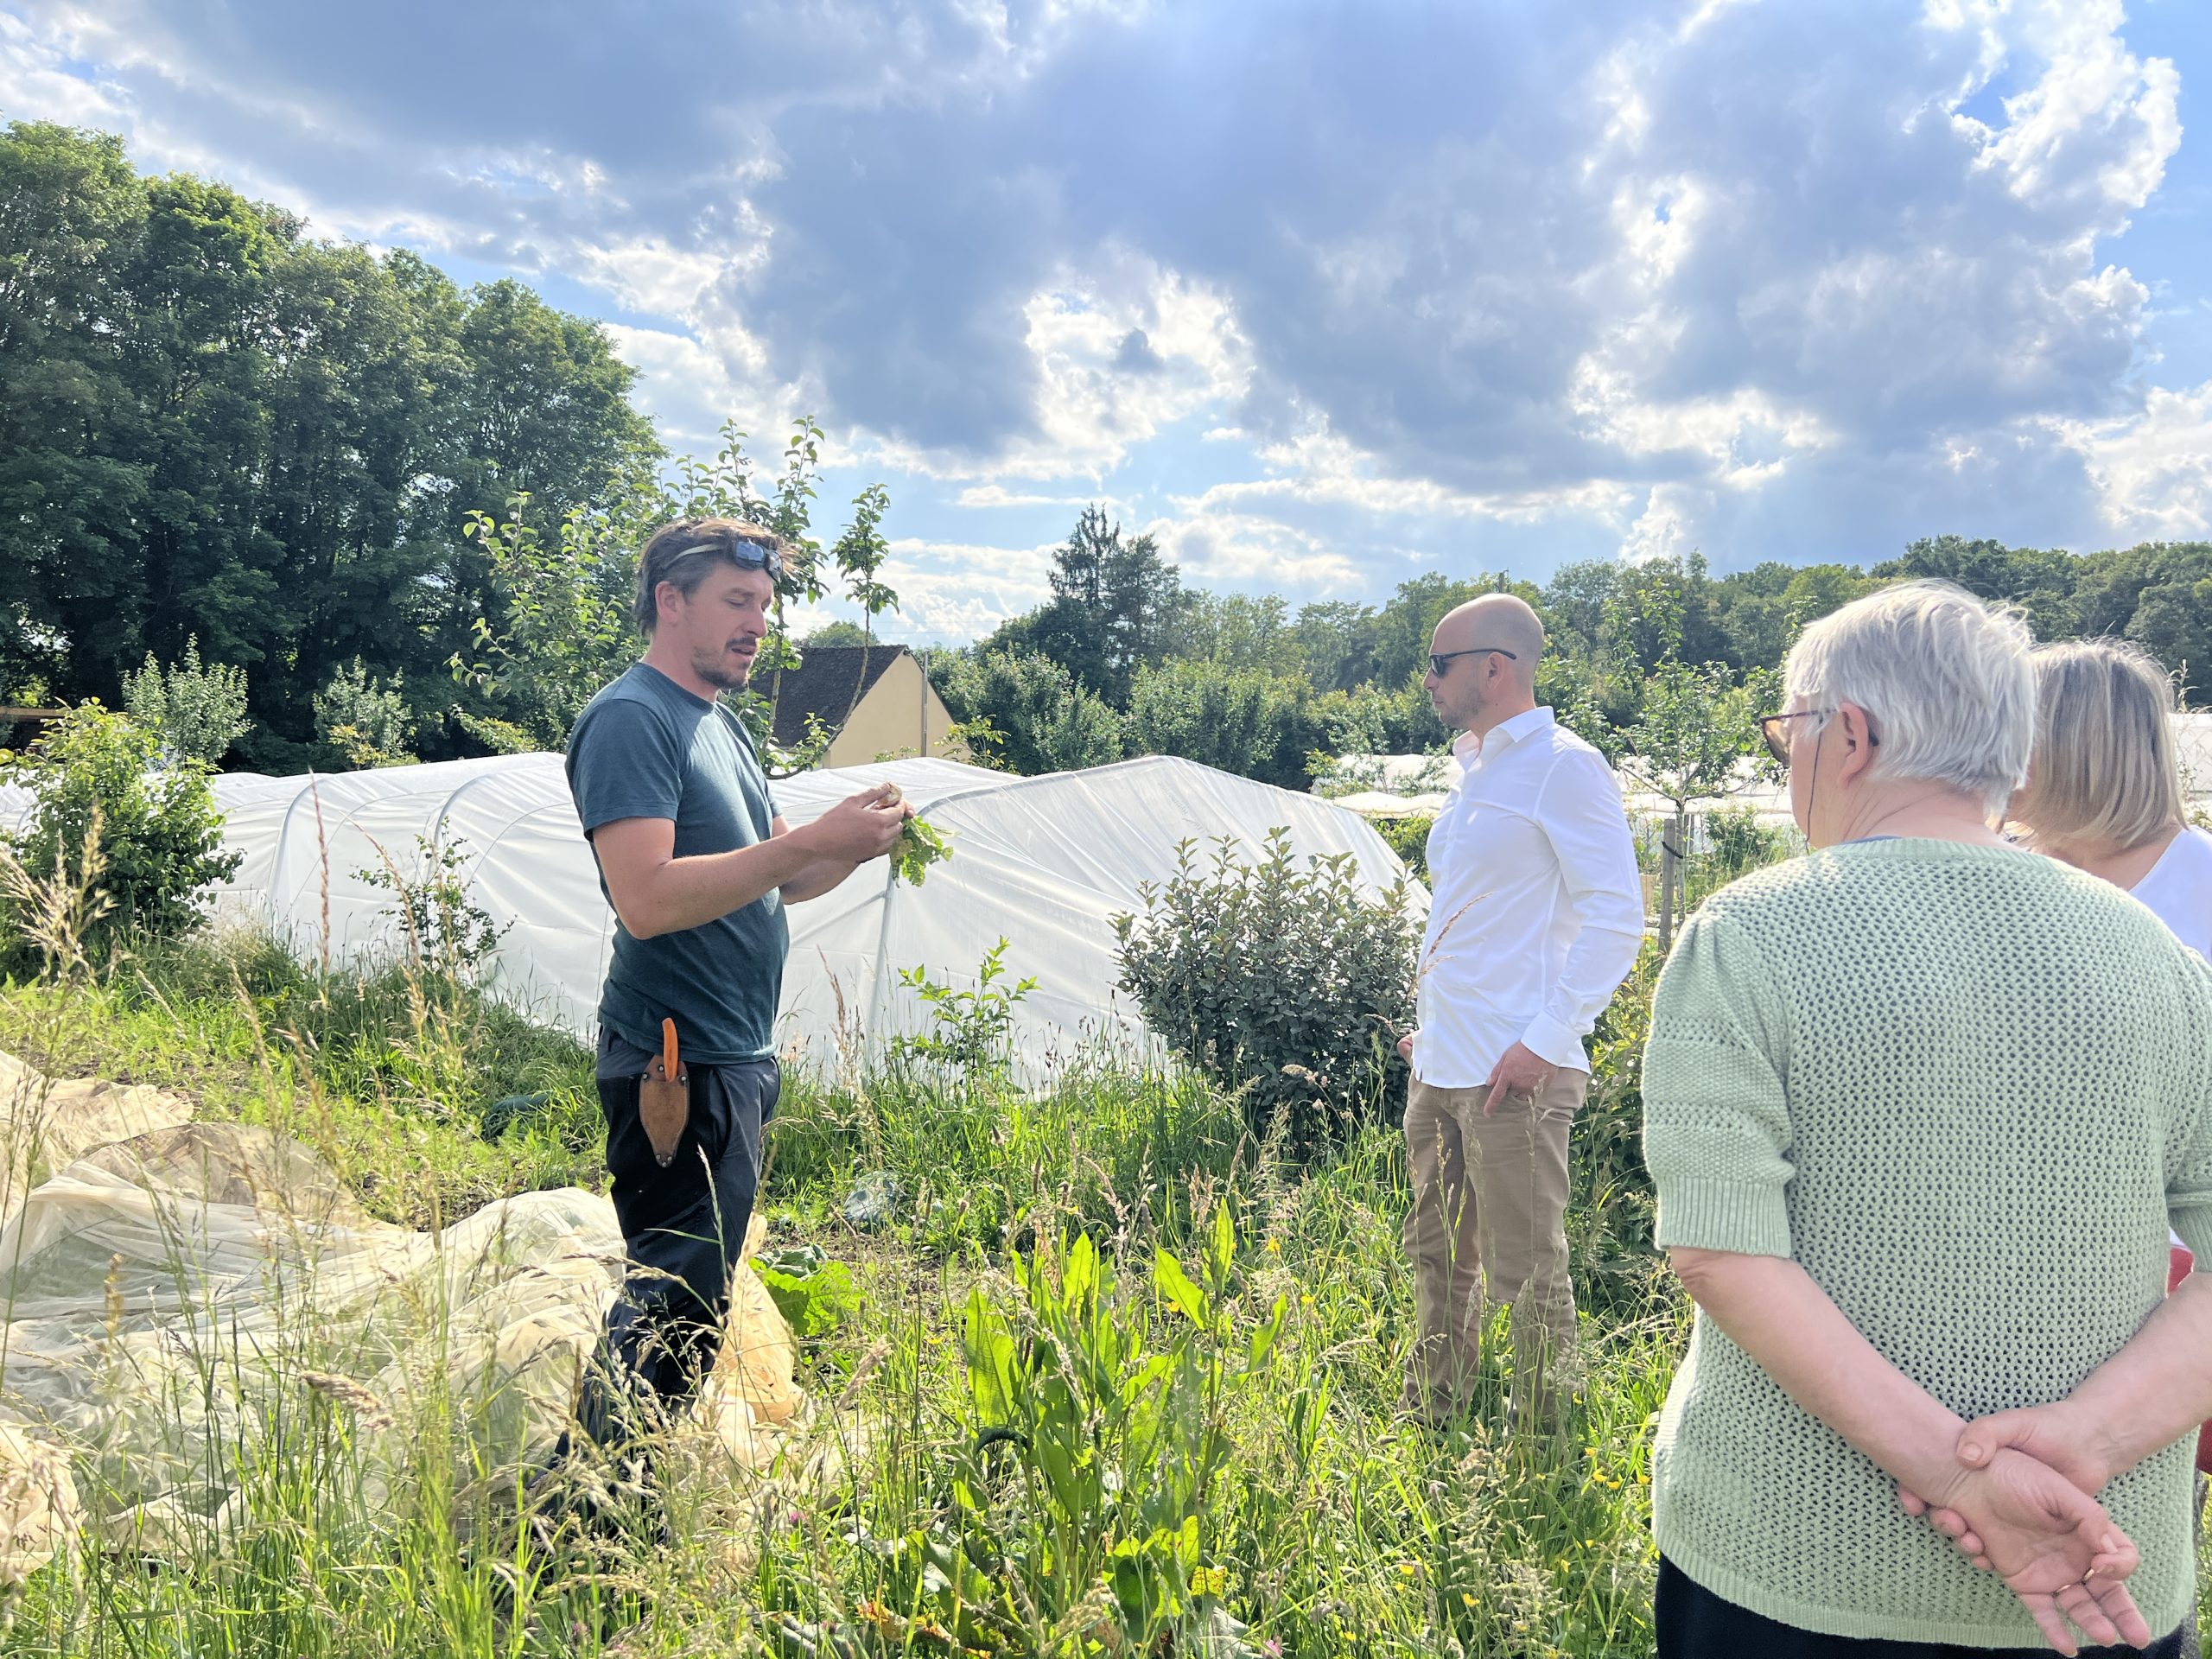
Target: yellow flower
{"x": 1410, "y": 1568}
{"x": 1274, "y": 1246}
{"x": 1466, "y": 1598}
{"x": 1306, "y": 1301}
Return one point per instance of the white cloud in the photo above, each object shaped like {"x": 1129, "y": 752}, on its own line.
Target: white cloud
{"x": 1120, "y": 358}
{"x": 1744, "y": 437}
{"x": 1697, "y": 271}
{"x": 2152, "y": 470}
{"x": 1666, "y": 527}
{"x": 1119, "y": 349}
{"x": 960, "y": 591}
{"x": 650, "y": 276}
{"x": 692, "y": 386}
{"x": 1705, "y": 13}
{"x": 34, "y": 76}
{"x": 1318, "y": 468}
{"x": 997, "y": 495}
{"x": 1657, "y": 221}
{"x": 1239, "y": 549}
{"x": 2097, "y": 117}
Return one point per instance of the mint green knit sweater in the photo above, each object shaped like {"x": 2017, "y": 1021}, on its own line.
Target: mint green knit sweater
{"x": 1965, "y": 1088}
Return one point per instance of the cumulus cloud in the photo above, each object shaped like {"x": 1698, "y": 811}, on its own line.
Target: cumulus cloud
{"x": 1118, "y": 350}
{"x": 961, "y": 590}
{"x": 1314, "y": 295}
{"x": 997, "y": 495}
{"x": 2153, "y": 469}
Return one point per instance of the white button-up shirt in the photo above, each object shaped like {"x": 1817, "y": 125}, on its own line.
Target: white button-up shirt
{"x": 1536, "y": 913}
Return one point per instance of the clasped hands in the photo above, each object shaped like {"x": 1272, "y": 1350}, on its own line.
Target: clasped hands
{"x": 2022, "y": 1504}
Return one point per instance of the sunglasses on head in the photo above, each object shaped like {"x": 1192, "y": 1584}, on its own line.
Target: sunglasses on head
{"x": 745, "y": 554}
{"x": 1440, "y": 661}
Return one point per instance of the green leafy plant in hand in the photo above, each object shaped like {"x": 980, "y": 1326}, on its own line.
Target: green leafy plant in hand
{"x": 920, "y": 845}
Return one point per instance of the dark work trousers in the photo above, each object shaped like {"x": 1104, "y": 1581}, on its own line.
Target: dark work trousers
{"x": 1695, "y": 1624}
{"x": 683, "y": 1227}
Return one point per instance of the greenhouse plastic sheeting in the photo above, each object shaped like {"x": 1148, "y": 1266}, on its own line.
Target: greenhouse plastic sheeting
{"x": 1044, "y": 863}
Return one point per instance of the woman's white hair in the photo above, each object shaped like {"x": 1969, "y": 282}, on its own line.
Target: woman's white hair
{"x": 1945, "y": 679}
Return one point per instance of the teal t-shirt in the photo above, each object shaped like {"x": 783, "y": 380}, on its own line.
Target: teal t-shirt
{"x": 647, "y": 748}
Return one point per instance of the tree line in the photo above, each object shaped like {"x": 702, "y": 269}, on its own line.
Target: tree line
{"x": 1124, "y": 658}
{"x": 347, "y": 513}
{"x": 216, "y": 430}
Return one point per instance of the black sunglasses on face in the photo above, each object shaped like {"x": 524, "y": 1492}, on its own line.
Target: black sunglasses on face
{"x": 1439, "y": 661}
{"x": 1774, "y": 728}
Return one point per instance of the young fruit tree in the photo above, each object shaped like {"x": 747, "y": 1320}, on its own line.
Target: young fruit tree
{"x": 1693, "y": 742}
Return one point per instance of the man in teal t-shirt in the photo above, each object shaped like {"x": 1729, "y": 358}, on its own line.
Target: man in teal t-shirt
{"x": 698, "y": 867}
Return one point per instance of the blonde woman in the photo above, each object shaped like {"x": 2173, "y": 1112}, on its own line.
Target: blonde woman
{"x": 2104, "y": 789}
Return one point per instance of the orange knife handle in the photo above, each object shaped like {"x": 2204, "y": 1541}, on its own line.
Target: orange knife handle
{"x": 668, "y": 1049}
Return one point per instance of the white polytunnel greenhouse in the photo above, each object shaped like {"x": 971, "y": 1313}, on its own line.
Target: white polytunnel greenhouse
{"x": 1044, "y": 863}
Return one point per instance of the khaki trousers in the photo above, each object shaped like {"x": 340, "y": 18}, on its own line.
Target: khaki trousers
{"x": 1488, "y": 1226}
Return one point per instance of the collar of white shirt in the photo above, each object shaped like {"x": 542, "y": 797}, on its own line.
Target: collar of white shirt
{"x": 1470, "y": 748}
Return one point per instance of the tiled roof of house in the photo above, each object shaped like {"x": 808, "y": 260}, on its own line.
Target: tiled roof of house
{"x": 829, "y": 683}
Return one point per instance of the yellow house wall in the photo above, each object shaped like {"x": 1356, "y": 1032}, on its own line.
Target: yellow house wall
{"x": 901, "y": 716}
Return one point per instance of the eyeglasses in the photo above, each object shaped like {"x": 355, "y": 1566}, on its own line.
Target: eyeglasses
{"x": 1439, "y": 661}
{"x": 1775, "y": 729}
{"x": 745, "y": 554}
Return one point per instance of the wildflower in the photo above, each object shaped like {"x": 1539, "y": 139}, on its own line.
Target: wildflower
{"x": 1467, "y": 1598}
{"x": 1306, "y": 1301}
{"x": 1274, "y": 1246}
{"x": 1411, "y": 1569}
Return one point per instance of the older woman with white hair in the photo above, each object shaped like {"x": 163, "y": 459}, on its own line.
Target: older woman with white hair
{"x": 1920, "y": 1107}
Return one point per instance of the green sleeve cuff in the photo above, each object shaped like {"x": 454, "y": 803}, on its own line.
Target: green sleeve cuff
{"x": 1748, "y": 1218}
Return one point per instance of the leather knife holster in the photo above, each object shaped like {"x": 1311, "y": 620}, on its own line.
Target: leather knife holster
{"x": 665, "y": 1098}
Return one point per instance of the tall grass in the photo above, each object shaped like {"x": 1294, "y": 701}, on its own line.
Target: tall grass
{"x": 1119, "y": 1378}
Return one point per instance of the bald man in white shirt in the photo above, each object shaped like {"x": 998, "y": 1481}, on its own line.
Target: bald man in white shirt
{"x": 1536, "y": 916}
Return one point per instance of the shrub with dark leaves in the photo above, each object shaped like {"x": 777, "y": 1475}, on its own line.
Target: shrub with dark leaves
{"x": 1284, "y": 977}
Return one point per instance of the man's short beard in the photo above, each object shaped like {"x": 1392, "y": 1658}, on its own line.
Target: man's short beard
{"x": 707, "y": 666}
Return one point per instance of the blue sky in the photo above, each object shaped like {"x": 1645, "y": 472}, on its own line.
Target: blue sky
{"x": 1323, "y": 296}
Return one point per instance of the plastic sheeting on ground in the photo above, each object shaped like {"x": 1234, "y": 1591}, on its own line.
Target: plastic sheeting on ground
{"x": 1044, "y": 862}
{"x": 45, "y": 1123}
{"x": 181, "y": 1300}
